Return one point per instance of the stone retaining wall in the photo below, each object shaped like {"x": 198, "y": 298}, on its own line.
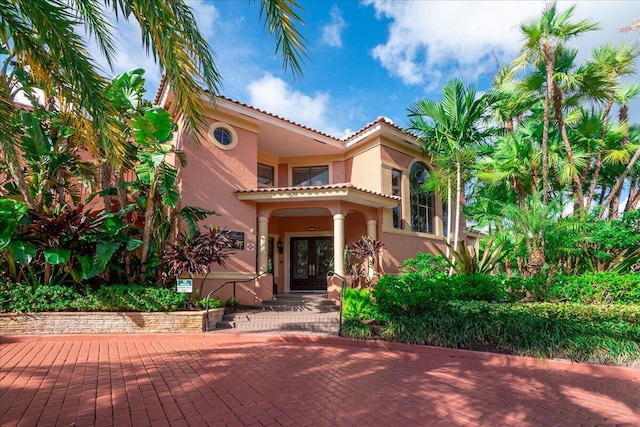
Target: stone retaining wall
{"x": 107, "y": 322}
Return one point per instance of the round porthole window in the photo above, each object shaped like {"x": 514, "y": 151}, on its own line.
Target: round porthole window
{"x": 223, "y": 135}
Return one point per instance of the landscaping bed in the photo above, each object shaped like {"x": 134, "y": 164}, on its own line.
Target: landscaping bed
{"x": 483, "y": 315}
{"x": 36, "y": 309}
{"x": 108, "y": 322}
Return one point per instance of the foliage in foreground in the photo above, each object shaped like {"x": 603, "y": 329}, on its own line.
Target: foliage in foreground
{"x": 593, "y": 318}
{"x": 21, "y": 298}
{"x": 607, "y": 335}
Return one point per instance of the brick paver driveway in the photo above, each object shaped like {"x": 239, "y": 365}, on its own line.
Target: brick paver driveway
{"x": 258, "y": 380}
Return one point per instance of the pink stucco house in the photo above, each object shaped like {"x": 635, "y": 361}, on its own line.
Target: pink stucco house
{"x": 292, "y": 197}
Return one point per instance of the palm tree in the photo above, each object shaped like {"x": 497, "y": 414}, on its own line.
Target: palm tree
{"x": 513, "y": 161}
{"x": 449, "y": 128}
{"x": 41, "y": 36}
{"x": 542, "y": 38}
{"x": 615, "y": 62}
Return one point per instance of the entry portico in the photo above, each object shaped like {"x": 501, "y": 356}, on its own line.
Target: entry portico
{"x": 328, "y": 208}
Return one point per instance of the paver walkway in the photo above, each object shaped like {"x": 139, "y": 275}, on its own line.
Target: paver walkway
{"x": 262, "y": 380}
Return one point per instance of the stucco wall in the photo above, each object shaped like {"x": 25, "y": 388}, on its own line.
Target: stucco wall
{"x": 209, "y": 181}
{"x": 365, "y": 170}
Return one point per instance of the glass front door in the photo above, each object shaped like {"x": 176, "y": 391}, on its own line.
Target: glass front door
{"x": 311, "y": 260}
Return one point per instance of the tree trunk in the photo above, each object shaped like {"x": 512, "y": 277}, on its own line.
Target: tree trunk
{"x": 618, "y": 185}
{"x": 577, "y": 185}
{"x": 598, "y": 165}
{"x": 458, "y": 203}
{"x": 105, "y": 183}
{"x": 448, "y": 214}
{"x": 548, "y": 63}
{"x": 634, "y": 196}
{"x": 148, "y": 225}
{"x": 614, "y": 207}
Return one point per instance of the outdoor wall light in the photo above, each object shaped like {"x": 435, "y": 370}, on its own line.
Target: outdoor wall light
{"x": 280, "y": 246}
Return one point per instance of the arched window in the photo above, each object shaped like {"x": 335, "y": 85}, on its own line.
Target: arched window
{"x": 422, "y": 203}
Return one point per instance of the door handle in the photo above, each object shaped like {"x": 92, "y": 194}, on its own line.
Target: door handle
{"x": 312, "y": 269}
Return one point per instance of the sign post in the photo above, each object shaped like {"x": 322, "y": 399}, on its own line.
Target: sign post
{"x": 184, "y": 286}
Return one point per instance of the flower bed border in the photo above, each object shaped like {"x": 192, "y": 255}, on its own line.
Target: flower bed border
{"x": 107, "y": 322}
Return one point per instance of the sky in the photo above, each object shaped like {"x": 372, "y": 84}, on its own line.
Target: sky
{"x": 369, "y": 58}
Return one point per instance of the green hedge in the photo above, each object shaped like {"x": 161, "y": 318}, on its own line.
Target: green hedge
{"x": 581, "y": 333}
{"x": 20, "y": 298}
{"x": 597, "y": 288}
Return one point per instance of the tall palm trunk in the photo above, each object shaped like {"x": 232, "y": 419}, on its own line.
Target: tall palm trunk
{"x": 458, "y": 203}
{"x": 634, "y": 196}
{"x": 598, "y": 165}
{"x": 559, "y": 116}
{"x": 548, "y": 52}
{"x": 448, "y": 214}
{"x": 618, "y": 185}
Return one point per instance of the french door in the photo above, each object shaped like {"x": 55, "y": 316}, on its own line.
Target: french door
{"x": 311, "y": 260}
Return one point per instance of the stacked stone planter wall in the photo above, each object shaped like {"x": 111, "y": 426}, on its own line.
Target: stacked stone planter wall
{"x": 108, "y": 322}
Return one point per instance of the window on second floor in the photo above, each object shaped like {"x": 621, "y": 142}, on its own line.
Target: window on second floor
{"x": 396, "y": 190}
{"x": 265, "y": 175}
{"x": 310, "y": 175}
{"x": 422, "y": 202}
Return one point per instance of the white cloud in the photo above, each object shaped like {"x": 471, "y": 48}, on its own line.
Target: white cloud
{"x": 273, "y": 95}
{"x": 206, "y": 17}
{"x": 430, "y": 42}
{"x": 332, "y": 32}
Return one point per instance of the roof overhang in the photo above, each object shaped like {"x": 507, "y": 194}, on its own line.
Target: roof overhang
{"x": 345, "y": 193}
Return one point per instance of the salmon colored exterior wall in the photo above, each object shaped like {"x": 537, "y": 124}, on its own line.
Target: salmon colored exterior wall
{"x": 359, "y": 189}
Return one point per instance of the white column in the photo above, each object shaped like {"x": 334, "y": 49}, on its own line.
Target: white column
{"x": 263, "y": 241}
{"x": 372, "y": 229}
{"x": 338, "y": 244}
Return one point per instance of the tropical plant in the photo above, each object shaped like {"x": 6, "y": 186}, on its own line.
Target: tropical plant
{"x": 195, "y": 254}
{"x": 449, "y": 129}
{"x": 543, "y": 38}
{"x": 467, "y": 261}
{"x": 368, "y": 253}
{"x": 42, "y": 36}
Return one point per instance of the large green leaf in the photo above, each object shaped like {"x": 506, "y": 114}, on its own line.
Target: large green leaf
{"x": 104, "y": 252}
{"x": 161, "y": 120}
{"x": 132, "y": 244}
{"x": 57, "y": 255}
{"x": 11, "y": 211}
{"x": 23, "y": 252}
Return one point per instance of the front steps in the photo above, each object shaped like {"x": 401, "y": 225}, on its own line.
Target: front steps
{"x": 286, "y": 313}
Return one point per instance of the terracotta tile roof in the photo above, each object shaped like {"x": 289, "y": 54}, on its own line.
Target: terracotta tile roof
{"x": 380, "y": 119}
{"x": 339, "y": 186}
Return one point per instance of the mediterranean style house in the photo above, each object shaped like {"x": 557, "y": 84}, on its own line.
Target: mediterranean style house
{"x": 292, "y": 197}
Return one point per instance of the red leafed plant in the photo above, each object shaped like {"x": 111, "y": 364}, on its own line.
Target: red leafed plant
{"x": 196, "y": 253}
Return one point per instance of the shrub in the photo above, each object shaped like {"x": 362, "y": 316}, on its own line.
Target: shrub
{"x": 408, "y": 294}
{"x": 21, "y": 298}
{"x": 412, "y": 293}
{"x": 27, "y": 298}
{"x": 594, "y": 334}
{"x": 425, "y": 264}
{"x": 476, "y": 287}
{"x": 597, "y": 288}
{"x": 357, "y": 304}
{"x": 139, "y": 298}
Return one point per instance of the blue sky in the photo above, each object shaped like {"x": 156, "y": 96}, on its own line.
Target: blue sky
{"x": 370, "y": 59}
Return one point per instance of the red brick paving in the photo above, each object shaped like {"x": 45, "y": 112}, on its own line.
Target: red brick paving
{"x": 257, "y": 380}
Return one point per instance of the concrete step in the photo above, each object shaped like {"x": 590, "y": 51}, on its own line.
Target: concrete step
{"x": 286, "y": 313}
